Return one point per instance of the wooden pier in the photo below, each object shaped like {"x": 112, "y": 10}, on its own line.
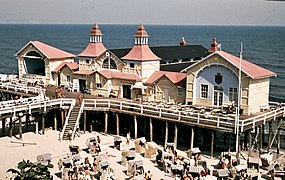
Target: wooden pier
{"x": 213, "y": 120}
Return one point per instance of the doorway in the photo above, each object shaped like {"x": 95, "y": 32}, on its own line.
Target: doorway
{"x": 166, "y": 94}
{"x": 127, "y": 91}
{"x": 82, "y": 85}
{"x": 218, "y": 96}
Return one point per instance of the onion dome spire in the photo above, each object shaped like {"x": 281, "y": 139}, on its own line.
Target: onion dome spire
{"x": 214, "y": 46}
{"x": 95, "y": 34}
{"x": 141, "y": 50}
{"x": 141, "y": 36}
{"x": 182, "y": 42}
{"x": 95, "y": 46}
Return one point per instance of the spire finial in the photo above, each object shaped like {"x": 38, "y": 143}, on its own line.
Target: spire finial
{"x": 214, "y": 46}
{"x": 182, "y": 42}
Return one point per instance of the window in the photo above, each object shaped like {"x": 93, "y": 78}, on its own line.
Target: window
{"x": 132, "y": 65}
{"x": 98, "y": 85}
{"x": 109, "y": 64}
{"x": 68, "y": 78}
{"x": 180, "y": 92}
{"x": 204, "y": 91}
{"x": 87, "y": 61}
{"x": 233, "y": 95}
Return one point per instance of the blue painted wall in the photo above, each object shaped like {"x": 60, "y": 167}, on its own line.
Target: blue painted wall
{"x": 207, "y": 77}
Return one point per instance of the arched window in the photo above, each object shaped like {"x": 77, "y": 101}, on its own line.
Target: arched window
{"x": 33, "y": 53}
{"x": 34, "y": 63}
{"x": 109, "y": 64}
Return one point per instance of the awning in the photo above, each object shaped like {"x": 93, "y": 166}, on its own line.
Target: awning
{"x": 138, "y": 85}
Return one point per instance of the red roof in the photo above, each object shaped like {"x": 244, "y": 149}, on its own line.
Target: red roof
{"x": 51, "y": 52}
{"x": 113, "y": 74}
{"x": 93, "y": 50}
{"x": 84, "y": 72}
{"x": 141, "y": 53}
{"x": 253, "y": 70}
{"x": 174, "y": 77}
{"x": 141, "y": 32}
{"x": 71, "y": 65}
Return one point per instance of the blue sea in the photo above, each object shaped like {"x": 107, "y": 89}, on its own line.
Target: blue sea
{"x": 262, "y": 45}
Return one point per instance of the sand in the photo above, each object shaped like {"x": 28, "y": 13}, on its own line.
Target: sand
{"x": 12, "y": 153}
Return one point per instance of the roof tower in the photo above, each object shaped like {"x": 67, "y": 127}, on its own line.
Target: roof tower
{"x": 95, "y": 46}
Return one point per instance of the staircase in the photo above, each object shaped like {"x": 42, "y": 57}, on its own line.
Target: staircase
{"x": 71, "y": 122}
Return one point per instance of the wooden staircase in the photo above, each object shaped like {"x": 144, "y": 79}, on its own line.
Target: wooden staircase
{"x": 71, "y": 121}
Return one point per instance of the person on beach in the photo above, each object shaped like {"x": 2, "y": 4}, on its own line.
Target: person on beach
{"x": 98, "y": 140}
{"x": 70, "y": 135}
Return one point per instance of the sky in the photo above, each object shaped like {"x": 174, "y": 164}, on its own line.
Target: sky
{"x": 172, "y": 12}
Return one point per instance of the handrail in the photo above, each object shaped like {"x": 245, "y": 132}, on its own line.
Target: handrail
{"x": 27, "y": 104}
{"x": 219, "y": 121}
{"x": 177, "y": 115}
{"x": 67, "y": 119}
{"x": 78, "y": 119}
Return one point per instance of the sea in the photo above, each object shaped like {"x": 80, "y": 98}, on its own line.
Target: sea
{"x": 262, "y": 45}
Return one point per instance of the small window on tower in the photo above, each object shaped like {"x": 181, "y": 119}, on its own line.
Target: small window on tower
{"x": 132, "y": 65}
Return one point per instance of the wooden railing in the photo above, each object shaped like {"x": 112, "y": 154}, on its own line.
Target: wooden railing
{"x": 18, "y": 87}
{"x": 28, "y": 105}
{"x": 221, "y": 122}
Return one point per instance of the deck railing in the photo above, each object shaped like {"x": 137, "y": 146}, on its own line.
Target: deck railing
{"x": 24, "y": 88}
{"x": 219, "y": 121}
{"x": 29, "y": 104}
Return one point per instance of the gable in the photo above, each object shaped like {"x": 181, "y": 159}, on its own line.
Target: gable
{"x": 98, "y": 61}
{"x": 232, "y": 62}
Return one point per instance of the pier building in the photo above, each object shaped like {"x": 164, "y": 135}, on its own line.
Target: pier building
{"x": 158, "y": 89}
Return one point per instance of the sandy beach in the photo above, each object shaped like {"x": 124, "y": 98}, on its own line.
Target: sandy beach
{"x": 12, "y": 153}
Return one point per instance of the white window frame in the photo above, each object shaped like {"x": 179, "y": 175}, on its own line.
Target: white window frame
{"x": 202, "y": 91}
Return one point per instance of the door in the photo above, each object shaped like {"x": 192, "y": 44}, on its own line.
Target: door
{"x": 218, "y": 96}
{"x": 58, "y": 80}
{"x": 166, "y": 94}
{"x": 82, "y": 85}
{"x": 127, "y": 91}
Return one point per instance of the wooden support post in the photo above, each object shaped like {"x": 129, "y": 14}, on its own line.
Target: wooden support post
{"x": 11, "y": 127}
{"x": 20, "y": 128}
{"x": 245, "y": 142}
{"x": 260, "y": 139}
{"x": 229, "y": 142}
{"x": 166, "y": 133}
{"x": 136, "y": 126}
{"x": 212, "y": 143}
{"x": 54, "y": 120}
{"x": 84, "y": 122}
{"x": 150, "y": 130}
{"x": 117, "y": 124}
{"x": 278, "y": 137}
{"x": 3, "y": 126}
{"x": 201, "y": 137}
{"x": 106, "y": 123}
{"x": 90, "y": 122}
{"x": 249, "y": 143}
{"x": 269, "y": 135}
{"x": 62, "y": 118}
{"x": 192, "y": 138}
{"x": 175, "y": 135}
{"x": 43, "y": 124}
{"x": 37, "y": 125}
{"x": 27, "y": 121}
